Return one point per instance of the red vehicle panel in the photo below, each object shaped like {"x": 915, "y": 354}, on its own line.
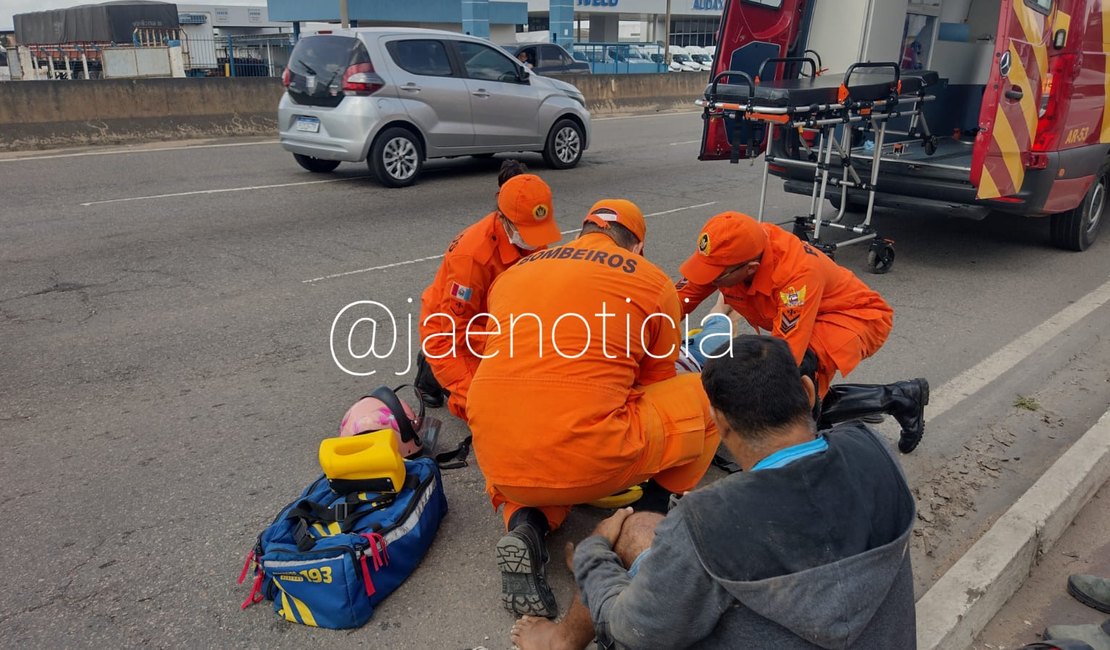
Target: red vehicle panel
{"x": 1008, "y": 117}
{"x": 751, "y": 32}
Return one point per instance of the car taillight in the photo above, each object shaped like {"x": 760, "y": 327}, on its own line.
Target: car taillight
{"x": 360, "y": 79}
{"x": 286, "y": 77}
{"x": 1055, "y": 92}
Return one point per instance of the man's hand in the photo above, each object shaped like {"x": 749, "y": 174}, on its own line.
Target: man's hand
{"x": 610, "y": 528}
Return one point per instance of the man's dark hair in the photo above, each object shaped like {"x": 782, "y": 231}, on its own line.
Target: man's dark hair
{"x": 758, "y": 387}
{"x": 510, "y": 168}
{"x": 623, "y": 236}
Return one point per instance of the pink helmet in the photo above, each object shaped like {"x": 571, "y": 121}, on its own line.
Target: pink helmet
{"x": 382, "y": 409}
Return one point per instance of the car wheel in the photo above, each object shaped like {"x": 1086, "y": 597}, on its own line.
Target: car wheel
{"x": 316, "y": 165}
{"x": 395, "y": 158}
{"x": 1077, "y": 229}
{"x": 564, "y": 145}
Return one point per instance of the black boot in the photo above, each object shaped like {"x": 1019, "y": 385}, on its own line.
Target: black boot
{"x": 522, "y": 559}
{"x": 905, "y": 400}
{"x": 656, "y": 498}
{"x": 427, "y": 387}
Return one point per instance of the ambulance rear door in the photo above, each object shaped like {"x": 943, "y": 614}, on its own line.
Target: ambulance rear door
{"x": 1008, "y": 114}
{"x": 751, "y": 32}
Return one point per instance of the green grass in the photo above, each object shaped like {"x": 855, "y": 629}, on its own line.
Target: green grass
{"x": 1027, "y": 403}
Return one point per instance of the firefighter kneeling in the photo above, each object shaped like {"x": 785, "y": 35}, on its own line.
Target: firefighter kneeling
{"x": 577, "y": 397}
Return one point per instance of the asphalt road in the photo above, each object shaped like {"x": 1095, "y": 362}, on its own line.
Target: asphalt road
{"x": 166, "y": 373}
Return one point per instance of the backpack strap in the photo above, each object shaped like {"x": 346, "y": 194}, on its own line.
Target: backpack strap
{"x": 346, "y": 512}
{"x": 455, "y": 458}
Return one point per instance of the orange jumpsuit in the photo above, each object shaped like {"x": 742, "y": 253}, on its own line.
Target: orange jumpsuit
{"x": 473, "y": 260}
{"x": 551, "y": 431}
{"x": 800, "y": 295}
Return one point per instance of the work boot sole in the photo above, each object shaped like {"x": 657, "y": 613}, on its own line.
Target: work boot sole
{"x": 524, "y": 589}
{"x": 1087, "y": 600}
{"x": 908, "y": 442}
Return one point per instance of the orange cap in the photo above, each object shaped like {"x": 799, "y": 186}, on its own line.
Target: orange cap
{"x": 622, "y": 211}
{"x": 525, "y": 200}
{"x": 726, "y": 240}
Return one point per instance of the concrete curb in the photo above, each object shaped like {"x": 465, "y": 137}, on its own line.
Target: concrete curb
{"x": 959, "y": 605}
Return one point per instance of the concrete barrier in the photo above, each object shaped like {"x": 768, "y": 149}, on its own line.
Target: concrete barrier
{"x": 44, "y": 114}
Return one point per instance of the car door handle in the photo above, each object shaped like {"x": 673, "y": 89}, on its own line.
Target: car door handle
{"x": 411, "y": 87}
{"x": 1014, "y": 93}
{"x": 481, "y": 92}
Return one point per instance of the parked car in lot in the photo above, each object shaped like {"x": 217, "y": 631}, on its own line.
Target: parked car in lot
{"x": 548, "y": 58}
{"x": 681, "y": 62}
{"x": 396, "y": 97}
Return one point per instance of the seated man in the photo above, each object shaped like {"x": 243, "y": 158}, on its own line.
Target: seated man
{"x": 577, "y": 396}
{"x": 806, "y": 548}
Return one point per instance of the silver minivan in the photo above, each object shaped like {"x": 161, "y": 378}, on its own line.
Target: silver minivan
{"x": 396, "y": 97}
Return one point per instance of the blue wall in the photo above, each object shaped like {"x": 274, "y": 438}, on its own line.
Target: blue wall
{"x": 425, "y": 11}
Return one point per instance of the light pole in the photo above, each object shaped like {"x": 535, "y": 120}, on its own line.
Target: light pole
{"x": 343, "y": 17}
{"x": 667, "y": 37}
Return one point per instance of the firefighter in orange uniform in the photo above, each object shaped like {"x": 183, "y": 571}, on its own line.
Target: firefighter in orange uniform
{"x": 523, "y": 222}
{"x": 830, "y": 319}
{"x": 577, "y": 396}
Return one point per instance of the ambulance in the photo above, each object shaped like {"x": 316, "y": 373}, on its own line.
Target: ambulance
{"x": 1019, "y": 123}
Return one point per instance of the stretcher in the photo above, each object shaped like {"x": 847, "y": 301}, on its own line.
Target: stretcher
{"x": 836, "y": 112}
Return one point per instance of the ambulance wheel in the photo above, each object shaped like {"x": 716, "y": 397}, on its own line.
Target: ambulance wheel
{"x": 564, "y": 145}
{"x": 1076, "y": 230}
{"x": 880, "y": 257}
{"x": 395, "y": 157}
{"x": 316, "y": 165}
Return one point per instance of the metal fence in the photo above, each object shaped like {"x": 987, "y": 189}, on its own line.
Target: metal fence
{"x": 263, "y": 55}
{"x": 621, "y": 58}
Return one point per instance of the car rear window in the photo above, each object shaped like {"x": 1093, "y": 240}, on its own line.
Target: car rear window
{"x": 316, "y": 68}
{"x": 421, "y": 57}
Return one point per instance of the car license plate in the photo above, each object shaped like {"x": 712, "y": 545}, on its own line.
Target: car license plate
{"x": 309, "y": 124}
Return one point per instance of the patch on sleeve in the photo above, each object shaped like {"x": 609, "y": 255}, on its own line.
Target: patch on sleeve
{"x": 789, "y": 321}
{"x": 459, "y": 292}
{"x": 792, "y": 297}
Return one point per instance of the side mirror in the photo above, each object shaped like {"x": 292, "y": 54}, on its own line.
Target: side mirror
{"x": 523, "y": 74}
{"x": 1060, "y": 39}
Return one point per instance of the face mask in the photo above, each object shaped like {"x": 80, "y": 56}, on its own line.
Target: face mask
{"x": 516, "y": 240}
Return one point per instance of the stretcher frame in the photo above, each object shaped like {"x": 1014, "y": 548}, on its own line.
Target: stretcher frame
{"x": 824, "y": 119}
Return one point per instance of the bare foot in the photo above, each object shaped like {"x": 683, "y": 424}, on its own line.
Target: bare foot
{"x": 535, "y": 633}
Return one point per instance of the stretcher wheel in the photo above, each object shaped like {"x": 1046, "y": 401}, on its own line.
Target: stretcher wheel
{"x": 880, "y": 257}
{"x": 930, "y": 145}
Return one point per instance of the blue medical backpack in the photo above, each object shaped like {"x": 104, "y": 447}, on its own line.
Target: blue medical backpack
{"x": 329, "y": 559}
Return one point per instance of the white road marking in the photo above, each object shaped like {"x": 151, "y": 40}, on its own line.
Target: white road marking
{"x": 974, "y": 379}
{"x": 110, "y": 152}
{"x": 227, "y": 189}
{"x": 675, "y": 144}
{"x": 436, "y": 257}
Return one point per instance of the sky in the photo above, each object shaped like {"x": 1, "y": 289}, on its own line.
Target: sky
{"x": 9, "y": 8}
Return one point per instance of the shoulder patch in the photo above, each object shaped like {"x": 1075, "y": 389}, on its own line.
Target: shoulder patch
{"x": 459, "y": 292}
{"x": 793, "y": 297}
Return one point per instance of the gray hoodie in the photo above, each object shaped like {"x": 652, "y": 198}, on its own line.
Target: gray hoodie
{"x": 810, "y": 555}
